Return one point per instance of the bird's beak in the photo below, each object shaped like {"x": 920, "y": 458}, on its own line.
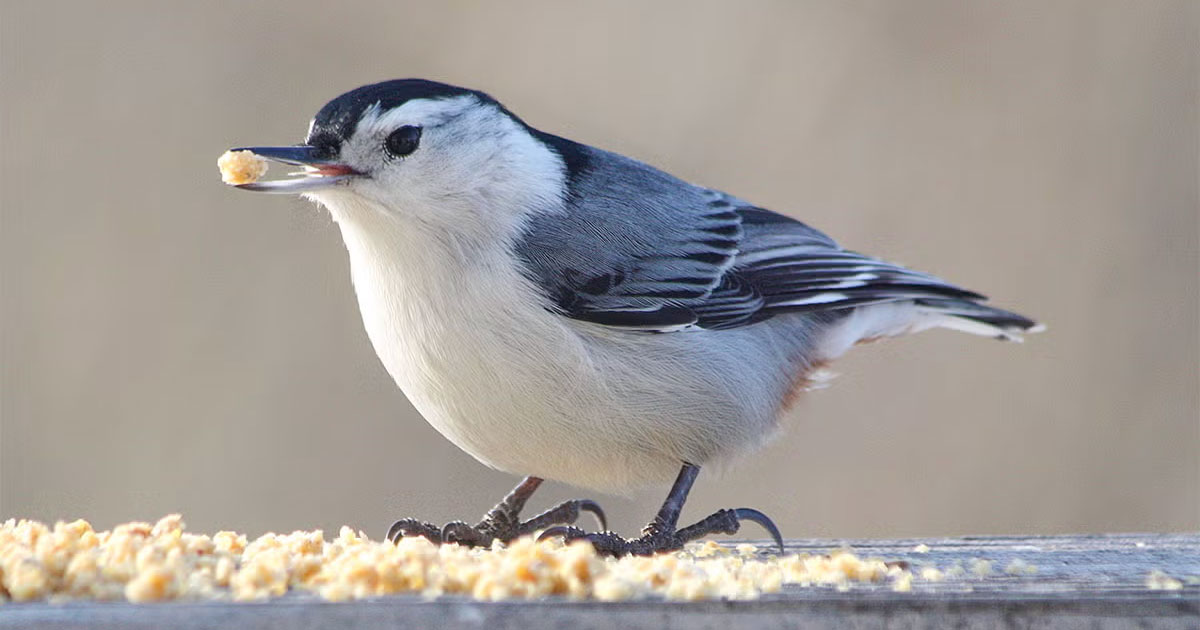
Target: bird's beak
{"x": 319, "y": 171}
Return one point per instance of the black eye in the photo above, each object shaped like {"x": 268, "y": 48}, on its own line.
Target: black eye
{"x": 402, "y": 141}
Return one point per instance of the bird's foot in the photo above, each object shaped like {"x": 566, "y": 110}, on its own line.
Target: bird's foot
{"x": 502, "y": 523}
{"x": 657, "y": 537}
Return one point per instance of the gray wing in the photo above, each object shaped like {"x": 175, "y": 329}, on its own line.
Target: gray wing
{"x": 637, "y": 248}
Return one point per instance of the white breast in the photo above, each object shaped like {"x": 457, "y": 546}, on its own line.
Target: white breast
{"x": 468, "y": 341}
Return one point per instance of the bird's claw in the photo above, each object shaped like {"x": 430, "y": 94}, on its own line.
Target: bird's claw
{"x": 413, "y": 527}
{"x": 588, "y": 505}
{"x": 566, "y": 512}
{"x": 764, "y": 521}
{"x": 500, "y": 523}
{"x": 566, "y": 532}
{"x": 463, "y": 533}
{"x": 657, "y": 538}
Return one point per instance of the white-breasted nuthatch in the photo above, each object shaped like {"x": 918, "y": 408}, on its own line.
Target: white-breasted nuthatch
{"x": 563, "y": 312}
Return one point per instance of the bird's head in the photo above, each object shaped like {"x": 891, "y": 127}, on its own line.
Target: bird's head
{"x": 423, "y": 152}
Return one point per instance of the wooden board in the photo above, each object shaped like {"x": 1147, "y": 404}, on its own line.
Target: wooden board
{"x": 1092, "y": 582}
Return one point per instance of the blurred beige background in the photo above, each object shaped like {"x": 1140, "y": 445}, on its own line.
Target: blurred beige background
{"x": 170, "y": 344}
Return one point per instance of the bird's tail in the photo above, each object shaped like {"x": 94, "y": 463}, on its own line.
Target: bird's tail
{"x": 979, "y": 319}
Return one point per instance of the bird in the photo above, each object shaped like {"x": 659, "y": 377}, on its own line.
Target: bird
{"x": 563, "y": 312}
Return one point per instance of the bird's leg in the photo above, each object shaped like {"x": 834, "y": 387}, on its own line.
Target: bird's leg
{"x": 662, "y": 533}
{"x": 502, "y": 522}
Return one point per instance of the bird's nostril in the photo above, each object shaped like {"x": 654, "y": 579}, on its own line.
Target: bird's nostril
{"x": 325, "y": 146}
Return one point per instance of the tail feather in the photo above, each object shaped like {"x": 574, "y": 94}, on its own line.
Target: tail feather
{"x": 980, "y": 319}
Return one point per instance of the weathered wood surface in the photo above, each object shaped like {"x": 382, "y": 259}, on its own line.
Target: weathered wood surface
{"x": 1080, "y": 582}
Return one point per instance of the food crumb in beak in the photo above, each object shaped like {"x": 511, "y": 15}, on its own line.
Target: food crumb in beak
{"x": 241, "y": 167}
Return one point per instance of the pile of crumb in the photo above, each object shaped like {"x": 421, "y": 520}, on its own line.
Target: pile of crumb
{"x": 241, "y": 167}
{"x": 141, "y": 562}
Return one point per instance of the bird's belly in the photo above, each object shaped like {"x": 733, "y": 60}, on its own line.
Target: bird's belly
{"x": 528, "y": 404}
{"x": 510, "y": 383}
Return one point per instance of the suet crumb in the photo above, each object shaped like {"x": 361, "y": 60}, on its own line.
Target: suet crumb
{"x": 932, "y": 574}
{"x": 1159, "y": 581}
{"x": 1019, "y": 567}
{"x": 241, "y": 167}
{"x": 980, "y": 567}
{"x": 140, "y": 562}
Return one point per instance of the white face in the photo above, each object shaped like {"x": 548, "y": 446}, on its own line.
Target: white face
{"x": 473, "y": 168}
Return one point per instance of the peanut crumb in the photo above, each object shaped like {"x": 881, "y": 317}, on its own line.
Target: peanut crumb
{"x": 981, "y": 568}
{"x": 746, "y": 549}
{"x": 1156, "y": 580}
{"x": 1020, "y": 567}
{"x": 241, "y": 167}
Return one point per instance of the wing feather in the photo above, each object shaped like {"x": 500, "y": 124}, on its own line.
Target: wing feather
{"x": 640, "y": 250}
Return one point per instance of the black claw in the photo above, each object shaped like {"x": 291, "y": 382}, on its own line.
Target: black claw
{"x": 461, "y": 533}
{"x": 565, "y": 513}
{"x": 748, "y": 514}
{"x": 661, "y": 534}
{"x": 587, "y": 505}
{"x": 566, "y": 532}
{"x": 413, "y": 526}
{"x": 503, "y": 521}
